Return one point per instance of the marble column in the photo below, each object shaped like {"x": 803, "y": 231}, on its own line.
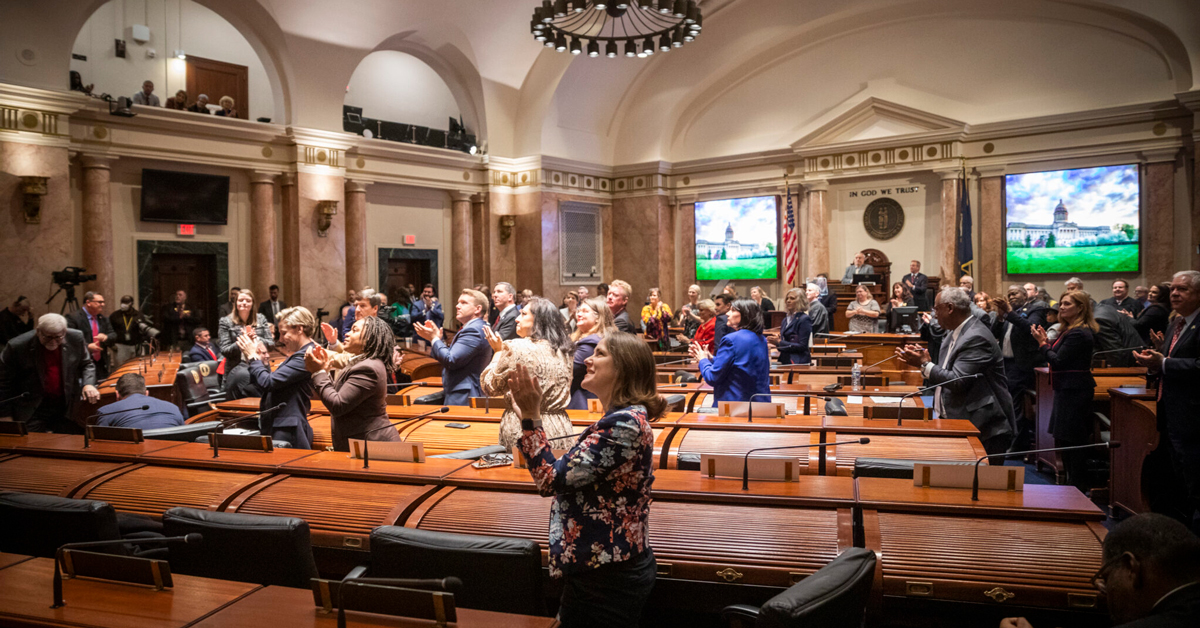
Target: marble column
{"x": 989, "y": 259}
{"x": 460, "y": 241}
{"x": 479, "y": 240}
{"x": 816, "y": 232}
{"x": 1159, "y": 230}
{"x": 263, "y": 226}
{"x": 1194, "y": 251}
{"x": 356, "y": 234}
{"x": 98, "y": 226}
{"x": 948, "y": 267}
{"x": 289, "y": 241}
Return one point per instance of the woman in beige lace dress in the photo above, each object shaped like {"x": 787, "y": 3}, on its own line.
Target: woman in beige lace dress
{"x": 544, "y": 348}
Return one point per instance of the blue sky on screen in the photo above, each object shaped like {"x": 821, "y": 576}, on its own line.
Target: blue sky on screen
{"x": 753, "y": 220}
{"x": 1094, "y": 197}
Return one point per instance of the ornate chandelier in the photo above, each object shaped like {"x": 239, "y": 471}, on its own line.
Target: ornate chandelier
{"x": 622, "y": 27}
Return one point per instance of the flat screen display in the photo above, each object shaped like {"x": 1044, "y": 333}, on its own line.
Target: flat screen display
{"x": 1073, "y": 221}
{"x": 737, "y": 239}
{"x": 184, "y": 197}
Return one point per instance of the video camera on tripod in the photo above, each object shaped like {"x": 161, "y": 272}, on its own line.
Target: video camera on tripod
{"x": 67, "y": 279}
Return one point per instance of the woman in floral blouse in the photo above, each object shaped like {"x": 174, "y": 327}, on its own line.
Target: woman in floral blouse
{"x": 656, "y": 319}
{"x": 599, "y": 521}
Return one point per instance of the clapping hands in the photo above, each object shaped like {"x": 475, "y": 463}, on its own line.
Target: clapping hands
{"x": 431, "y": 332}
{"x": 698, "y": 352}
{"x": 494, "y": 340}
{"x": 1038, "y": 334}
{"x": 525, "y": 393}
{"x": 317, "y": 359}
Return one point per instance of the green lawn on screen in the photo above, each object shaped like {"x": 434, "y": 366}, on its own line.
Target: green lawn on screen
{"x": 717, "y": 269}
{"x": 1077, "y": 259}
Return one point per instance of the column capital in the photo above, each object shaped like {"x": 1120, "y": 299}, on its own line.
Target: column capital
{"x": 1157, "y": 156}
{"x": 92, "y": 160}
{"x": 258, "y": 176}
{"x": 816, "y": 185}
{"x": 948, "y": 173}
{"x": 479, "y": 197}
{"x": 353, "y": 185}
{"x": 460, "y": 196}
{"x": 287, "y": 178}
{"x": 990, "y": 171}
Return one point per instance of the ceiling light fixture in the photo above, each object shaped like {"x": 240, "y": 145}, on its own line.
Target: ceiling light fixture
{"x": 672, "y": 22}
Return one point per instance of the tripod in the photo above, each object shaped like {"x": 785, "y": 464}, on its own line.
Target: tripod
{"x": 70, "y": 303}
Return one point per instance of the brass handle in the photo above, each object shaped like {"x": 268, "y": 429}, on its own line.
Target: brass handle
{"x": 1000, "y": 595}
{"x": 729, "y": 574}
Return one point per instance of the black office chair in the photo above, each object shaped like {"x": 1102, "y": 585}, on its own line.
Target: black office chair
{"x": 835, "y": 596}
{"x": 190, "y": 385}
{"x": 38, "y": 525}
{"x": 498, "y": 574}
{"x": 432, "y": 399}
{"x": 187, "y": 433}
{"x": 246, "y": 548}
{"x": 894, "y": 468}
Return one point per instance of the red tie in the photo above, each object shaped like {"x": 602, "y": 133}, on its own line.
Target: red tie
{"x": 1178, "y": 324}
{"x": 95, "y": 331}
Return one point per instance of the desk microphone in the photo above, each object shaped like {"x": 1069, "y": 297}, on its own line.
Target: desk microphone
{"x": 221, "y": 425}
{"x": 87, "y": 443}
{"x": 367, "y": 453}
{"x": 746, "y": 460}
{"x": 833, "y": 405}
{"x": 1141, "y": 348}
{"x": 19, "y": 397}
{"x": 193, "y": 538}
{"x": 890, "y": 357}
{"x": 684, "y": 360}
{"x": 900, "y": 414}
{"x": 975, "y": 482}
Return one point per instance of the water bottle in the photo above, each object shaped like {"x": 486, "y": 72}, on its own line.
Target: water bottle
{"x": 856, "y": 377}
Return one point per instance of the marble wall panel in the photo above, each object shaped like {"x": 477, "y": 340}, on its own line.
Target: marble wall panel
{"x": 989, "y": 259}
{"x": 1158, "y": 252}
{"x": 635, "y": 224}
{"x": 528, "y": 233}
{"x": 322, "y": 259}
{"x": 687, "y": 248}
{"x": 31, "y": 251}
{"x": 501, "y": 255}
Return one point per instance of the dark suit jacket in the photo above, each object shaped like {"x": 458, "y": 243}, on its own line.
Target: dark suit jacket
{"x": 1116, "y": 332}
{"x": 584, "y": 348}
{"x": 238, "y": 383}
{"x": 290, "y": 385}
{"x": 264, "y": 308}
{"x": 78, "y": 320}
{"x": 506, "y": 324}
{"x": 22, "y": 366}
{"x": 462, "y": 362}
{"x": 127, "y": 413}
{"x": 830, "y": 301}
{"x": 1026, "y": 355}
{"x": 1152, "y": 318}
{"x": 740, "y": 368}
{"x": 793, "y": 339}
{"x": 920, "y": 283}
{"x": 177, "y": 327}
{"x": 985, "y": 401}
{"x": 419, "y": 314}
{"x": 1180, "y": 609}
{"x": 1129, "y": 304}
{"x": 1070, "y": 360}
{"x": 720, "y": 329}
{"x": 357, "y": 403}
{"x": 1179, "y": 407}
{"x": 199, "y": 354}
{"x": 624, "y": 323}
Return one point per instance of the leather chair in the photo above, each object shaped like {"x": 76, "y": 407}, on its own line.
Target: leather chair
{"x": 432, "y": 399}
{"x": 246, "y": 548}
{"x": 193, "y": 388}
{"x": 894, "y": 468}
{"x": 499, "y": 574}
{"x": 835, "y": 596}
{"x": 187, "y": 433}
{"x": 39, "y": 524}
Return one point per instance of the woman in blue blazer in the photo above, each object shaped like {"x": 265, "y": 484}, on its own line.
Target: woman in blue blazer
{"x": 795, "y": 331}
{"x": 742, "y": 365}
{"x": 290, "y": 384}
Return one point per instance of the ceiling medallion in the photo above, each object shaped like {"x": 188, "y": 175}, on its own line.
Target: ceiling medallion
{"x": 636, "y": 28}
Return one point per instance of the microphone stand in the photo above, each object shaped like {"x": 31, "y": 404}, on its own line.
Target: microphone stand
{"x": 194, "y": 537}
{"x": 746, "y": 459}
{"x": 212, "y": 436}
{"x": 975, "y": 481}
{"x": 833, "y": 406}
{"x": 87, "y": 442}
{"x": 684, "y": 360}
{"x": 367, "y": 453}
{"x": 899, "y": 406}
{"x": 12, "y": 399}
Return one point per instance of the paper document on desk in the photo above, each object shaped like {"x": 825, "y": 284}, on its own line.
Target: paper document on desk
{"x": 878, "y": 400}
{"x": 854, "y": 399}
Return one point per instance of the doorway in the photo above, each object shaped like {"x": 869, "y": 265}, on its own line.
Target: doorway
{"x": 217, "y": 79}
{"x": 401, "y": 272}
{"x": 194, "y": 273}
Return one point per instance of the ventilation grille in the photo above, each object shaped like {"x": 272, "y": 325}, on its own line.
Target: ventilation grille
{"x": 579, "y": 246}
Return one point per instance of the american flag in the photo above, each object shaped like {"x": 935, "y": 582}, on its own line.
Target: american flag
{"x": 790, "y": 257}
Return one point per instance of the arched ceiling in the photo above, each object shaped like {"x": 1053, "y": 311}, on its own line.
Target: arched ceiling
{"x": 760, "y": 75}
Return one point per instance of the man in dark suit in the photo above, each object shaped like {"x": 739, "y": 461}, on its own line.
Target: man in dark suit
{"x": 127, "y": 410}
{"x": 1121, "y": 300}
{"x": 618, "y": 300}
{"x": 15, "y": 320}
{"x": 178, "y": 320}
{"x": 51, "y": 363}
{"x": 427, "y": 308}
{"x": 1150, "y": 575}
{"x": 227, "y": 307}
{"x": 1176, "y": 362}
{"x": 917, "y": 283}
{"x": 969, "y": 348}
{"x": 1016, "y": 316}
{"x": 1116, "y": 332}
{"x": 469, "y": 353}
{"x": 97, "y": 330}
{"x": 721, "y": 326}
{"x": 203, "y": 350}
{"x": 272, "y": 307}
{"x": 505, "y": 325}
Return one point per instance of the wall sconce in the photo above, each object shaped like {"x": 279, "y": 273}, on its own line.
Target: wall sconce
{"x": 506, "y": 228}
{"x": 32, "y": 190}
{"x": 326, "y": 210}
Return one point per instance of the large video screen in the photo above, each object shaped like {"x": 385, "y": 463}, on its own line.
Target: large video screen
{"x": 737, "y": 239}
{"x": 1073, "y": 221}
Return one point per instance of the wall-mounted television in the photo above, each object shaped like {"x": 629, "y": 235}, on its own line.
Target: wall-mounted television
{"x": 737, "y": 239}
{"x": 184, "y": 197}
{"x": 1077, "y": 221}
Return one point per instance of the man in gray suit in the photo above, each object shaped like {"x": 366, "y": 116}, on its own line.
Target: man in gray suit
{"x": 969, "y": 348}
{"x": 504, "y": 296}
{"x": 51, "y": 364}
{"x": 859, "y": 267}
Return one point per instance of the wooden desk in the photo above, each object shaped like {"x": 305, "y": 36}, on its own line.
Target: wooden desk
{"x": 35, "y": 474}
{"x": 71, "y": 446}
{"x": 839, "y": 460}
{"x": 848, "y": 425}
{"x": 201, "y": 455}
{"x": 8, "y": 560}
{"x": 283, "y": 606}
{"x": 152, "y": 490}
{"x": 1037, "y": 501}
{"x": 25, "y": 597}
{"x": 694, "y": 443}
{"x": 339, "y": 464}
{"x": 1131, "y": 377}
{"x": 1135, "y": 426}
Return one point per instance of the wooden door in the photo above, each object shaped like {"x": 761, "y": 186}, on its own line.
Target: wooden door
{"x": 193, "y": 273}
{"x": 217, "y": 79}
{"x": 402, "y": 272}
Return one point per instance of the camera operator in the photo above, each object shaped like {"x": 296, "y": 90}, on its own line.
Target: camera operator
{"x": 130, "y": 329}
{"x": 15, "y": 320}
{"x": 97, "y": 331}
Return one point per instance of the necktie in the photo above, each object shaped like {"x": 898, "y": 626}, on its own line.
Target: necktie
{"x": 937, "y": 394}
{"x": 1177, "y": 331}
{"x": 95, "y": 330}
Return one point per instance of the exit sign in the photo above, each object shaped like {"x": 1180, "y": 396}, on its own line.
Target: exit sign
{"x": 410, "y": 240}
{"x": 186, "y": 230}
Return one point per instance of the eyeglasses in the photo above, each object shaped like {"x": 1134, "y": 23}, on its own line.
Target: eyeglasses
{"x": 1102, "y": 572}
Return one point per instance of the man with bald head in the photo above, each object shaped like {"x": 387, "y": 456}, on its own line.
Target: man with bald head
{"x": 858, "y": 267}
{"x": 53, "y": 366}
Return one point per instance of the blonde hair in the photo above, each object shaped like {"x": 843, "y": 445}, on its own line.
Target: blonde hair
{"x": 299, "y": 316}
{"x": 225, "y": 99}
{"x": 801, "y": 299}
{"x": 707, "y": 305}
{"x": 1086, "y": 317}
{"x": 479, "y": 299}
{"x": 604, "y": 318}
{"x": 626, "y": 289}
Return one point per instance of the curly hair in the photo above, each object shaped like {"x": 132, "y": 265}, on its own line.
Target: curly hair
{"x": 378, "y": 341}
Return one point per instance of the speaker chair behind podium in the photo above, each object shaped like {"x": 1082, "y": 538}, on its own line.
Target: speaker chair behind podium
{"x": 246, "y": 548}
{"x": 835, "y": 596}
{"x": 498, "y": 574}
